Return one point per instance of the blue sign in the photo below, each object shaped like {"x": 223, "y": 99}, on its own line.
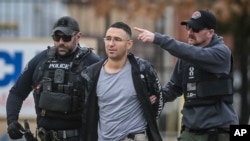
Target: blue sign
{"x": 15, "y": 61}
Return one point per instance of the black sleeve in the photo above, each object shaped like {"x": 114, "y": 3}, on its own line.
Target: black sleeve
{"x": 154, "y": 87}
{"x": 22, "y": 88}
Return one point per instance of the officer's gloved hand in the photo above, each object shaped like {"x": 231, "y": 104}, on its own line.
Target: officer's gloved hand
{"x": 15, "y": 130}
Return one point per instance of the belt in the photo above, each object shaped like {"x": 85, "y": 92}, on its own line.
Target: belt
{"x": 132, "y": 135}
{"x": 67, "y": 133}
{"x": 57, "y": 134}
{"x": 204, "y": 131}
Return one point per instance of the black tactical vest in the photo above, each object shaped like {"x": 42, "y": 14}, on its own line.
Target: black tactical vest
{"x": 58, "y": 91}
{"x": 204, "y": 88}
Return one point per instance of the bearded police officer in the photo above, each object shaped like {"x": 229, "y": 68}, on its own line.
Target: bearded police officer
{"x": 57, "y": 90}
{"x": 203, "y": 73}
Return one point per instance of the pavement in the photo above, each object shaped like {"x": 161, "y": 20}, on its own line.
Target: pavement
{"x": 169, "y": 137}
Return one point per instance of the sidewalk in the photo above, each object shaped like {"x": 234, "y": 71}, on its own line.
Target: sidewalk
{"x": 169, "y": 137}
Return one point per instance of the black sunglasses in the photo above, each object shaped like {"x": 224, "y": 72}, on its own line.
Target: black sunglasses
{"x": 196, "y": 30}
{"x": 65, "y": 38}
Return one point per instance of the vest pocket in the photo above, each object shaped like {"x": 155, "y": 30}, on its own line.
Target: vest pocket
{"x": 58, "y": 102}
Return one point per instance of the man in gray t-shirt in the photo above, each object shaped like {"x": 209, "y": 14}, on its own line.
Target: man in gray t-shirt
{"x": 118, "y": 104}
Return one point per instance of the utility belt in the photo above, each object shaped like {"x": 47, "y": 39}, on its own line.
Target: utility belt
{"x": 212, "y": 132}
{"x": 56, "y": 135}
{"x": 206, "y": 131}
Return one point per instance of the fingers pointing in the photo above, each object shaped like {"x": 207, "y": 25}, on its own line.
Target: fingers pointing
{"x": 138, "y": 29}
{"x": 144, "y": 35}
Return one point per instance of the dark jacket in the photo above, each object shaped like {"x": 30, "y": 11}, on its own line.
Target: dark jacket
{"x": 143, "y": 87}
{"x": 214, "y": 60}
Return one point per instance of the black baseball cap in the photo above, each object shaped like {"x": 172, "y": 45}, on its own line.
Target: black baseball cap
{"x": 201, "y": 19}
{"x": 67, "y": 25}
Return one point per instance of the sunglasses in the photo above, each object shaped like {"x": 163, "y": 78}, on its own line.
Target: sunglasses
{"x": 65, "y": 38}
{"x": 196, "y": 30}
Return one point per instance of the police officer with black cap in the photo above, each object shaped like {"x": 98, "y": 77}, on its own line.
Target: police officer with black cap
{"x": 203, "y": 74}
{"x": 53, "y": 76}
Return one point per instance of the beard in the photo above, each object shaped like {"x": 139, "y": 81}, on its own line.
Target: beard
{"x": 64, "y": 51}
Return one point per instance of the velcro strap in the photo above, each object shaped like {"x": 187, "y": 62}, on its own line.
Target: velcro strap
{"x": 215, "y": 88}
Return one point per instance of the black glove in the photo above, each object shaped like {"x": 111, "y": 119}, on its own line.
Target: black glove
{"x": 15, "y": 130}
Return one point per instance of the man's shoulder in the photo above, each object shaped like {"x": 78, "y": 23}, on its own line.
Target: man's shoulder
{"x": 89, "y": 72}
{"x": 39, "y": 57}
{"x": 139, "y": 60}
{"x": 143, "y": 63}
{"x": 93, "y": 67}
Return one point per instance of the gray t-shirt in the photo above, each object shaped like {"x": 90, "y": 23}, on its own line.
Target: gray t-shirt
{"x": 120, "y": 110}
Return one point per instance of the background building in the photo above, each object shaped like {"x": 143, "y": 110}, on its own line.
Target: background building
{"x": 25, "y": 29}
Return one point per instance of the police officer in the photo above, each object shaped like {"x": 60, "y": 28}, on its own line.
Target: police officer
{"x": 53, "y": 75}
{"x": 203, "y": 74}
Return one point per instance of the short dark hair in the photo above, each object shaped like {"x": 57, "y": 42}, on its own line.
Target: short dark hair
{"x": 122, "y": 26}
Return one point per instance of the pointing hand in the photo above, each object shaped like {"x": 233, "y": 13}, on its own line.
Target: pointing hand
{"x": 145, "y": 35}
